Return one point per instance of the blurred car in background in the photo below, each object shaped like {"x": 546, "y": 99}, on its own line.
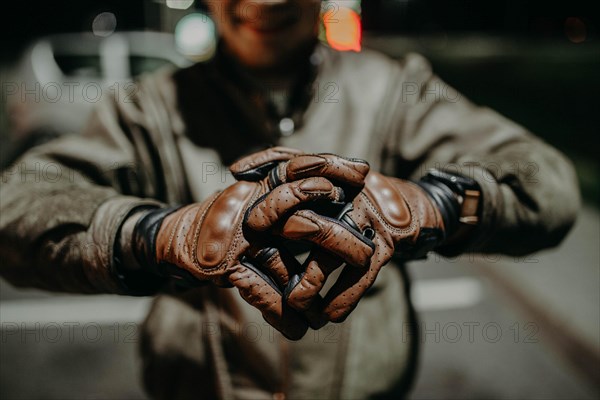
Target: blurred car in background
{"x": 61, "y": 77}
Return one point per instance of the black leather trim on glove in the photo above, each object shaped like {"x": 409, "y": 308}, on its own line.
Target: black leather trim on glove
{"x": 135, "y": 282}
{"x": 445, "y": 189}
{"x": 144, "y": 249}
{"x": 446, "y": 202}
{"x": 144, "y": 237}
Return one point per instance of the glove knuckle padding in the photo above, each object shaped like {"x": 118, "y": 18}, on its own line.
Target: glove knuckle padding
{"x": 396, "y": 209}
{"x": 207, "y": 238}
{"x": 388, "y": 202}
{"x": 222, "y": 224}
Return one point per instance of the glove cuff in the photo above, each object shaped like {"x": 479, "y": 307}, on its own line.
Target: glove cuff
{"x": 455, "y": 195}
{"x": 144, "y": 239}
{"x": 133, "y": 281}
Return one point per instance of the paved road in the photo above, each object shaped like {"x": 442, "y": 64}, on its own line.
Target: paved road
{"x": 490, "y": 350}
{"x": 480, "y": 339}
{"x": 534, "y": 331}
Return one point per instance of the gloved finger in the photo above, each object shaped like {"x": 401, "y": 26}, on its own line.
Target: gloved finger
{"x": 342, "y": 171}
{"x": 258, "y": 290}
{"x": 344, "y": 295}
{"x": 256, "y": 166}
{"x": 284, "y": 165}
{"x": 314, "y": 313}
{"x": 303, "y": 289}
{"x": 285, "y": 269}
{"x": 277, "y": 262}
{"x": 282, "y": 266}
{"x": 330, "y": 235}
{"x": 281, "y": 201}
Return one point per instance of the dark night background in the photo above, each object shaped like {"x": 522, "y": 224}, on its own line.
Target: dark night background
{"x": 540, "y": 77}
{"x": 536, "y": 62}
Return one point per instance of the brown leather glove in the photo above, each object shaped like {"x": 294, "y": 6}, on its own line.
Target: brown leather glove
{"x": 389, "y": 215}
{"x": 281, "y": 165}
{"x": 207, "y": 241}
{"x": 397, "y": 216}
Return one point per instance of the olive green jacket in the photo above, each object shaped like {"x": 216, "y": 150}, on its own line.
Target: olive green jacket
{"x": 63, "y": 203}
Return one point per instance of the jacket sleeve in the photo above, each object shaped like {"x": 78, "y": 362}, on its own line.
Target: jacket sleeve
{"x": 530, "y": 190}
{"x": 63, "y": 203}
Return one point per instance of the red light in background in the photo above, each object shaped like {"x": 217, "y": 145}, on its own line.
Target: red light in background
{"x": 343, "y": 29}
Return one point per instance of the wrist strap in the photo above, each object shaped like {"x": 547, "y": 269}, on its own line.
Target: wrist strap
{"x": 144, "y": 238}
{"x": 134, "y": 282}
{"x": 457, "y": 198}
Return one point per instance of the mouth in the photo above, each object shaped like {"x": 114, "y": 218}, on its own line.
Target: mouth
{"x": 268, "y": 20}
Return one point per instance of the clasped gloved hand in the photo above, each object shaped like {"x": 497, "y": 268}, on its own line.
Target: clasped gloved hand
{"x": 209, "y": 241}
{"x": 389, "y": 215}
{"x": 397, "y": 216}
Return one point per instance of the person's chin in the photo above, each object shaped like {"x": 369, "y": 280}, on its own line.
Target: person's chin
{"x": 263, "y": 53}
{"x": 261, "y": 58}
